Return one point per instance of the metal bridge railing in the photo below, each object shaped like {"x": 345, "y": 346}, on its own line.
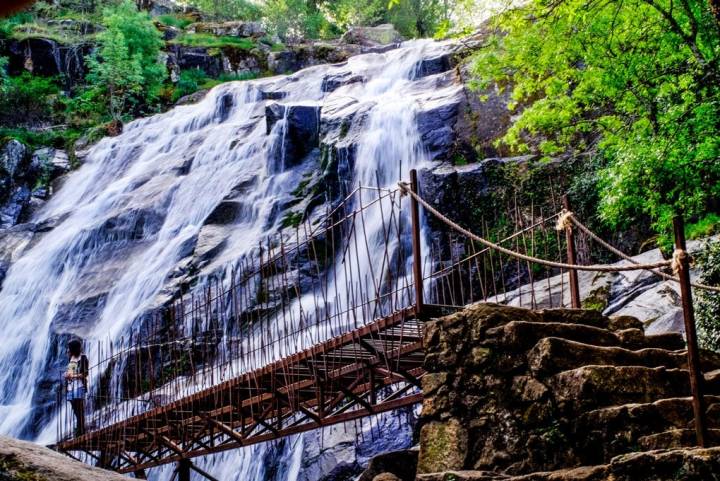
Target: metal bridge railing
{"x": 330, "y": 290}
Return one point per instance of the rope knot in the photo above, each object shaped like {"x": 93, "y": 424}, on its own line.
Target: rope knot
{"x": 564, "y": 221}
{"x": 404, "y": 188}
{"x": 679, "y": 255}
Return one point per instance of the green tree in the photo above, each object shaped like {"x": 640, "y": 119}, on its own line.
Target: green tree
{"x": 295, "y": 19}
{"x": 229, "y": 9}
{"x": 418, "y": 18}
{"x": 127, "y": 64}
{"x": 635, "y": 81}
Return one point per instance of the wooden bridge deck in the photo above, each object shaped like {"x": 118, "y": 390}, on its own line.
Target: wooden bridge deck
{"x": 344, "y": 378}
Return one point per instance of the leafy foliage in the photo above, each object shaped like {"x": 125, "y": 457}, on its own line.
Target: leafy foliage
{"x": 213, "y": 41}
{"x": 126, "y": 67}
{"x": 708, "y": 303}
{"x": 636, "y": 80}
{"x": 27, "y": 99}
{"x": 229, "y": 9}
{"x": 189, "y": 82}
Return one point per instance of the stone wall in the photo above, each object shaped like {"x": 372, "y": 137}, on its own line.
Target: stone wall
{"x": 511, "y": 392}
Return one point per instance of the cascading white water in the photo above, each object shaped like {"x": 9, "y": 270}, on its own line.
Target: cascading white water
{"x": 129, "y": 219}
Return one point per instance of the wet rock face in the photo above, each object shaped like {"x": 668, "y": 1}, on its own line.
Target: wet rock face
{"x": 43, "y": 56}
{"x": 511, "y": 392}
{"x": 299, "y": 132}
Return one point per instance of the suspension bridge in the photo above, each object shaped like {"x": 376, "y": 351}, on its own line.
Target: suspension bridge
{"x": 314, "y": 329}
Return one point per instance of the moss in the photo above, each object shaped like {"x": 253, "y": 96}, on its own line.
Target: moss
{"x": 16, "y": 471}
{"x": 598, "y": 299}
{"x": 212, "y": 41}
{"x": 292, "y": 219}
{"x": 300, "y": 189}
{"x": 344, "y": 128}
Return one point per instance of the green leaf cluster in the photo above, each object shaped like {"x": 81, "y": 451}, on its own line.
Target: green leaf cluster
{"x": 127, "y": 67}
{"x": 636, "y": 82}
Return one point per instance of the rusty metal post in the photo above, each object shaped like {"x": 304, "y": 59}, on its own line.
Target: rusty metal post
{"x": 696, "y": 376}
{"x": 417, "y": 256}
{"x": 572, "y": 259}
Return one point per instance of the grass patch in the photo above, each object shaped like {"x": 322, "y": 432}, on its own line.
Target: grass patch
{"x": 39, "y": 30}
{"x": 175, "y": 21}
{"x": 211, "y": 41}
{"x": 705, "y": 227}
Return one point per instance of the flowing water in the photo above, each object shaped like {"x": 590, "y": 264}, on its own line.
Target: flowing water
{"x": 126, "y": 224}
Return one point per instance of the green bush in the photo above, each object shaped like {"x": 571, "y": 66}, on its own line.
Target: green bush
{"x": 7, "y": 25}
{"x": 189, "y": 82}
{"x": 126, "y": 66}
{"x": 28, "y": 99}
{"x": 636, "y": 82}
{"x": 213, "y": 41}
{"x": 175, "y": 21}
{"x": 229, "y": 9}
{"x": 708, "y": 303}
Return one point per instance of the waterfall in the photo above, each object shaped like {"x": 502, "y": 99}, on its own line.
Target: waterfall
{"x": 118, "y": 237}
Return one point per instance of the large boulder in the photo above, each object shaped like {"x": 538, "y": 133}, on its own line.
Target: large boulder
{"x": 48, "y": 160}
{"x": 13, "y": 158}
{"x": 12, "y": 209}
{"x": 384, "y": 34}
{"x": 24, "y": 461}
{"x": 298, "y": 57}
{"x": 181, "y": 57}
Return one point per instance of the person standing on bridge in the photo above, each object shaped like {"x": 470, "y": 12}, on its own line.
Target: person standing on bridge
{"x": 76, "y": 383}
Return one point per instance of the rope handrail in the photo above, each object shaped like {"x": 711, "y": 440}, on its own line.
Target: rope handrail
{"x": 571, "y": 217}
{"x": 405, "y": 187}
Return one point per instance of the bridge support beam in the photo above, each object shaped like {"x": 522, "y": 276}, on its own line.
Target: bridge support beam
{"x": 417, "y": 255}
{"x": 183, "y": 469}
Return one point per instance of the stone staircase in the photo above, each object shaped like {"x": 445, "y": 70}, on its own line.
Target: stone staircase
{"x": 560, "y": 394}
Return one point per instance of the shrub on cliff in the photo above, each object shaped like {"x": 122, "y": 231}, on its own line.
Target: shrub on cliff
{"x": 127, "y": 67}
{"x": 708, "y": 303}
{"x": 636, "y": 81}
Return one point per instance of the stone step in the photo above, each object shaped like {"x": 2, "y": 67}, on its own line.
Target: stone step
{"x": 604, "y": 433}
{"x": 552, "y": 355}
{"x": 591, "y": 387}
{"x": 676, "y": 438}
{"x": 695, "y": 464}
{"x": 522, "y": 335}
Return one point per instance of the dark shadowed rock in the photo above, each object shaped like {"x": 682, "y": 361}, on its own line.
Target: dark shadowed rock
{"x": 298, "y": 132}
{"x": 46, "y": 57}
{"x": 181, "y": 57}
{"x": 433, "y": 66}
{"x": 334, "y": 81}
{"x": 13, "y": 158}
{"x": 12, "y": 209}
{"x": 400, "y": 464}
{"x": 297, "y": 57}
